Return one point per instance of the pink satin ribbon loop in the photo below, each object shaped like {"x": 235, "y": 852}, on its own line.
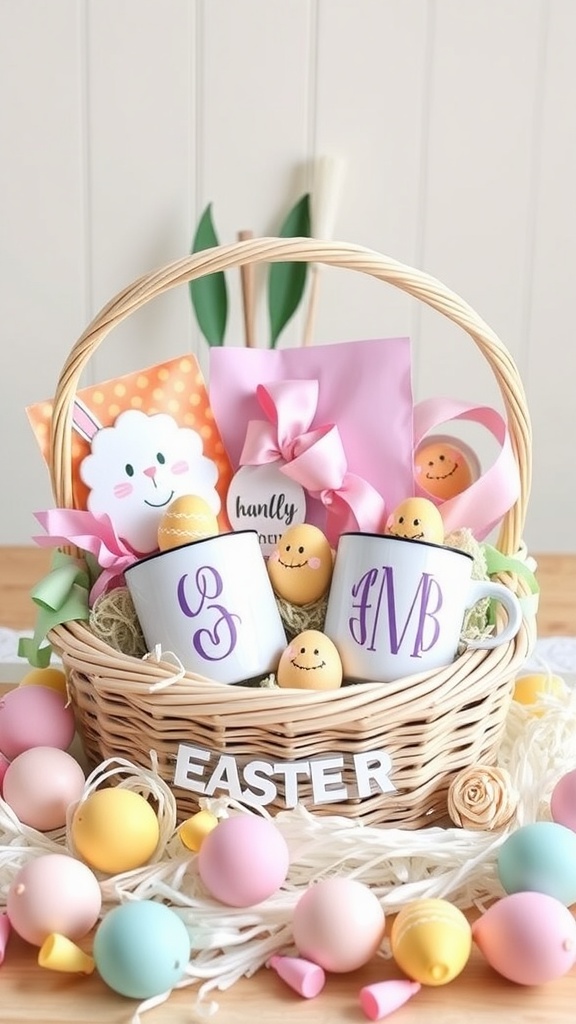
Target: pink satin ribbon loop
{"x": 350, "y": 501}
{"x": 290, "y": 407}
{"x": 90, "y": 533}
{"x": 483, "y": 504}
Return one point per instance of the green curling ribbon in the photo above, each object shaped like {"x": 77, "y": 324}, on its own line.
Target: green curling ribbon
{"x": 496, "y": 562}
{"x": 61, "y": 596}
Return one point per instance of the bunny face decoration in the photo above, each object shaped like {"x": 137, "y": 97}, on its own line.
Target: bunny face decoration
{"x": 138, "y": 466}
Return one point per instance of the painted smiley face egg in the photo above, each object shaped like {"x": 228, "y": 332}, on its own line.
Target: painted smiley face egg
{"x": 310, "y": 662}
{"x": 416, "y": 519}
{"x": 442, "y": 469}
{"x": 187, "y": 518}
{"x": 300, "y": 566}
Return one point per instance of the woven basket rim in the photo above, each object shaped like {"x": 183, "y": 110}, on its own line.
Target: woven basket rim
{"x": 347, "y": 256}
{"x": 123, "y": 675}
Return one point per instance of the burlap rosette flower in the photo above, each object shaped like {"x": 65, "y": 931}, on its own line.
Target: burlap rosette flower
{"x": 482, "y": 797}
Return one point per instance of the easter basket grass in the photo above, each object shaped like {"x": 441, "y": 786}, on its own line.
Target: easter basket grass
{"x": 430, "y": 725}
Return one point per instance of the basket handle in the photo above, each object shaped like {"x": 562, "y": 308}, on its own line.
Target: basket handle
{"x": 336, "y": 254}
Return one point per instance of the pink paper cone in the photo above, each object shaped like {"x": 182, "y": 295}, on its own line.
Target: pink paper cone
{"x": 384, "y": 997}
{"x": 5, "y": 929}
{"x": 305, "y": 977}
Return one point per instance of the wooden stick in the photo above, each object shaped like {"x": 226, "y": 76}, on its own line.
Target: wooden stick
{"x": 308, "y": 336}
{"x": 327, "y": 186}
{"x": 247, "y": 278}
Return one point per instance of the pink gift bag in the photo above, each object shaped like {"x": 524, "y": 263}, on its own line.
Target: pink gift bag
{"x": 325, "y": 433}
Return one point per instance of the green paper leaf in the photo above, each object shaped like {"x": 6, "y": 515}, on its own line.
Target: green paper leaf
{"x": 209, "y": 294}
{"x": 497, "y": 562}
{"x": 61, "y": 596}
{"x": 286, "y": 281}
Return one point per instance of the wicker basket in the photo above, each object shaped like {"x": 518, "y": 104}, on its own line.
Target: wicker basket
{"x": 431, "y": 725}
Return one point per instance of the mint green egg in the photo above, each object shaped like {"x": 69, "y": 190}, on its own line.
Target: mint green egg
{"x": 141, "y": 949}
{"x": 540, "y": 857}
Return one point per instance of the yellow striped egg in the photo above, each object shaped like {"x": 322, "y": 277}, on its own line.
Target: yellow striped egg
{"x": 187, "y": 518}
{"x": 431, "y": 941}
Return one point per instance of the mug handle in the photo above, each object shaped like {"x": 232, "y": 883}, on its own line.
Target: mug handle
{"x": 479, "y": 589}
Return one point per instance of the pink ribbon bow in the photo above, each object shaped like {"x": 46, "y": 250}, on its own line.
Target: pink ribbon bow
{"x": 315, "y": 459}
{"x": 91, "y": 533}
{"x": 351, "y": 502}
{"x": 290, "y": 406}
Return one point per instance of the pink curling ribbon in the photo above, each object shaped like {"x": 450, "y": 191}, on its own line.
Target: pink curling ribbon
{"x": 482, "y": 505}
{"x": 91, "y": 533}
{"x": 350, "y": 501}
{"x": 290, "y": 407}
{"x": 315, "y": 459}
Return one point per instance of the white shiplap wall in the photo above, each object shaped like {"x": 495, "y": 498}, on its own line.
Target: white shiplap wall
{"x": 121, "y": 119}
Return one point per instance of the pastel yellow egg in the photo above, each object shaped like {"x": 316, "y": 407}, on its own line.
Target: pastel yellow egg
{"x": 310, "y": 662}
{"x": 529, "y": 688}
{"x": 300, "y": 566}
{"x": 194, "y": 830}
{"x": 54, "y": 678}
{"x": 416, "y": 519}
{"x": 115, "y": 830}
{"x": 431, "y": 941}
{"x": 187, "y": 518}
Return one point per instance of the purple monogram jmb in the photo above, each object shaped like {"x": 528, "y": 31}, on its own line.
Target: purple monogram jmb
{"x": 373, "y": 598}
{"x": 217, "y": 638}
{"x": 396, "y": 607}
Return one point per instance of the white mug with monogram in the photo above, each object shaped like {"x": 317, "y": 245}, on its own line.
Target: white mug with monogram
{"x": 211, "y": 604}
{"x": 396, "y": 606}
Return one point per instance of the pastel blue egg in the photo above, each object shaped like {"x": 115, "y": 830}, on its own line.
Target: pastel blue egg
{"x": 540, "y": 857}
{"x": 141, "y": 949}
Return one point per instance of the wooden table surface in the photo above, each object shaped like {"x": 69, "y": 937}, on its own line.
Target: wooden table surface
{"x": 30, "y": 993}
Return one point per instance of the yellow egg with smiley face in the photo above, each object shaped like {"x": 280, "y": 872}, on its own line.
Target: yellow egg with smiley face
{"x": 310, "y": 662}
{"x": 300, "y": 566}
{"x": 416, "y": 519}
{"x": 442, "y": 469}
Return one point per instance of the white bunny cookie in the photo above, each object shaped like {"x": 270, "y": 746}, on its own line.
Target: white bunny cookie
{"x": 138, "y": 466}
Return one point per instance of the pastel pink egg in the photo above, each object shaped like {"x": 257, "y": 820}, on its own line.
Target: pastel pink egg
{"x": 34, "y": 716}
{"x": 4, "y": 762}
{"x": 563, "y": 801}
{"x": 40, "y": 785}
{"x": 339, "y": 924}
{"x": 244, "y": 860}
{"x": 53, "y": 893}
{"x": 527, "y": 937}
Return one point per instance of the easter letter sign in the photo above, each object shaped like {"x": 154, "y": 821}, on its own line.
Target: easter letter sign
{"x": 259, "y": 782}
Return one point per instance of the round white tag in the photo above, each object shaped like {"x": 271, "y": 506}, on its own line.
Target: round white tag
{"x": 261, "y": 498}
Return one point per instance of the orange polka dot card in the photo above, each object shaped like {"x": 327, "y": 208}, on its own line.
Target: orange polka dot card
{"x": 139, "y": 442}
